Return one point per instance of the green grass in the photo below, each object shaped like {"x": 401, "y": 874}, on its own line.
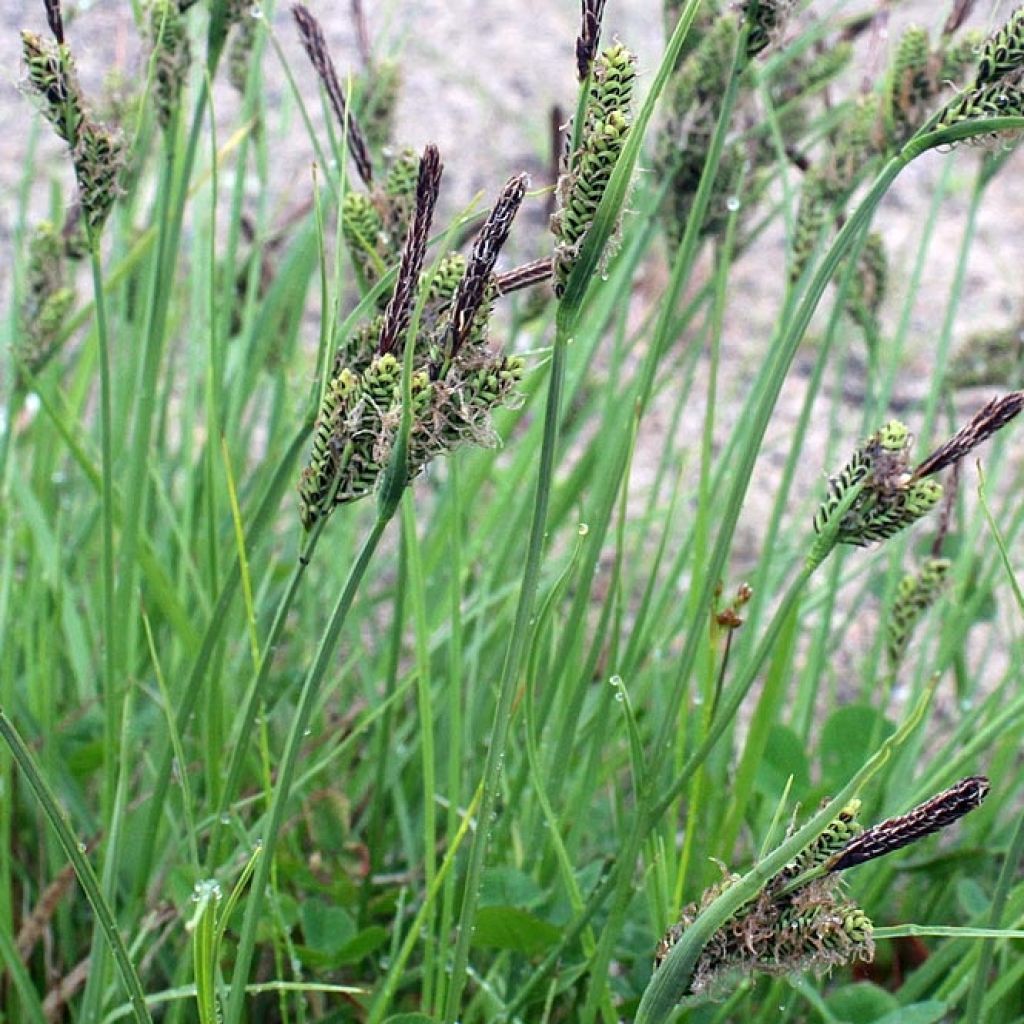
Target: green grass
{"x": 464, "y": 749}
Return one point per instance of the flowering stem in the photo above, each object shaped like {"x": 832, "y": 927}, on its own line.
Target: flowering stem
{"x": 672, "y": 980}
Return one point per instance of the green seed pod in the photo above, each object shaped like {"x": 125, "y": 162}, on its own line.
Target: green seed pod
{"x": 611, "y": 85}
{"x": 359, "y": 347}
{"x": 831, "y": 840}
{"x": 382, "y": 381}
{"x": 1002, "y": 98}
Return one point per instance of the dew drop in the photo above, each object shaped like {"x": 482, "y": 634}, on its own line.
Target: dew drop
{"x": 615, "y": 681}
{"x": 82, "y": 847}
{"x": 583, "y": 529}
{"x": 732, "y": 204}
{"x": 620, "y": 696}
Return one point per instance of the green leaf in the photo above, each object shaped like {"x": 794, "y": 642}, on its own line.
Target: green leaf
{"x": 410, "y": 1018}
{"x": 327, "y": 930}
{"x": 515, "y": 929}
{"x": 847, "y": 740}
{"x": 917, "y": 1013}
{"x": 783, "y": 756}
{"x": 971, "y": 896}
{"x": 861, "y": 1003}
{"x": 362, "y": 945}
{"x": 508, "y": 887}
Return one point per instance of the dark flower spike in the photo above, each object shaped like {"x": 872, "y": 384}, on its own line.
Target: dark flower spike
{"x": 894, "y": 833}
{"x": 987, "y": 421}
{"x": 315, "y": 45}
{"x": 958, "y": 15}
{"x": 54, "y": 19}
{"x": 590, "y": 35}
{"x": 472, "y": 289}
{"x": 399, "y": 308}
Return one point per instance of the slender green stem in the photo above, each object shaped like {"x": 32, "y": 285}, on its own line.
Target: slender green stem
{"x": 111, "y": 697}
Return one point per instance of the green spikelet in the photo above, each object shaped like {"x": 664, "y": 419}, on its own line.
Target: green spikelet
{"x": 382, "y": 381}
{"x": 328, "y": 458}
{"x": 913, "y": 81}
{"x": 960, "y": 56}
{"x": 359, "y": 347}
{"x": 171, "y": 57}
{"x": 811, "y": 218}
{"x": 989, "y": 357}
{"x": 47, "y": 300}
{"x": 855, "y": 151}
{"x": 51, "y": 75}
{"x": 243, "y": 39}
{"x": 1003, "y": 52}
{"x": 866, "y": 290}
{"x": 916, "y": 593}
{"x": 400, "y": 194}
{"x": 381, "y": 101}
{"x": 831, "y": 840}
{"x": 890, "y": 498}
{"x": 362, "y": 227}
{"x": 607, "y": 122}
{"x": 765, "y": 19}
{"x": 98, "y": 158}
{"x": 611, "y": 87}
{"x": 1002, "y": 98}
{"x": 824, "y": 67}
{"x": 445, "y": 279}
